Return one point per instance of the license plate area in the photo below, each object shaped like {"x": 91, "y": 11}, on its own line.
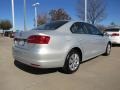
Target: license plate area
{"x": 19, "y": 42}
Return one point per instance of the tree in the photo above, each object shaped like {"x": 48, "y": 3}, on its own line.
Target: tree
{"x": 59, "y": 14}
{"x": 113, "y": 24}
{"x": 42, "y": 19}
{"x": 95, "y": 11}
{"x": 5, "y": 25}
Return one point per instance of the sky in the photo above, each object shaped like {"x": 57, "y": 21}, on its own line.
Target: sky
{"x": 112, "y": 10}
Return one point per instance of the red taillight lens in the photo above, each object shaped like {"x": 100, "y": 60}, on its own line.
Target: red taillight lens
{"x": 38, "y": 39}
{"x": 115, "y": 34}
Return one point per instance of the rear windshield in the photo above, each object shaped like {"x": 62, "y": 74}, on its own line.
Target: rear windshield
{"x": 112, "y": 30}
{"x": 51, "y": 26}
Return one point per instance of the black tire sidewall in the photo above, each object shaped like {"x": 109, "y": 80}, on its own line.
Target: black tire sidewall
{"x": 66, "y": 65}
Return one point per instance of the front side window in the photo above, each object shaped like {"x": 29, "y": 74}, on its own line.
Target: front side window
{"x": 51, "y": 26}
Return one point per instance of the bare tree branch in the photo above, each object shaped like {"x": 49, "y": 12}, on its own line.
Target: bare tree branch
{"x": 96, "y": 10}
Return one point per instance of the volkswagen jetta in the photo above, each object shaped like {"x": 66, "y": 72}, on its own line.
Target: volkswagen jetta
{"x": 62, "y": 44}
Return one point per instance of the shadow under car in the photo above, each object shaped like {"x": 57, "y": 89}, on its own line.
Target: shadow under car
{"x": 33, "y": 70}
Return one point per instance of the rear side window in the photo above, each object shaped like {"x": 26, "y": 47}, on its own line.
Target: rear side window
{"x": 77, "y": 28}
{"x": 51, "y": 26}
{"x": 112, "y": 30}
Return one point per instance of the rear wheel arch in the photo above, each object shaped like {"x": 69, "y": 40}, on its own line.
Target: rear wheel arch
{"x": 78, "y": 50}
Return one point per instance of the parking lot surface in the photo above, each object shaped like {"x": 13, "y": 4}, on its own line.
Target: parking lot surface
{"x": 100, "y": 73}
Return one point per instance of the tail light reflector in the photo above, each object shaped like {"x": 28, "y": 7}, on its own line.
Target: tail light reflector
{"x": 38, "y": 39}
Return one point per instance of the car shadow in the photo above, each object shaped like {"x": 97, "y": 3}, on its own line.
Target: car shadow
{"x": 39, "y": 71}
{"x": 32, "y": 70}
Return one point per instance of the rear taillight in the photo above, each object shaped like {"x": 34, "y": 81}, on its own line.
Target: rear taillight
{"x": 115, "y": 34}
{"x": 38, "y": 39}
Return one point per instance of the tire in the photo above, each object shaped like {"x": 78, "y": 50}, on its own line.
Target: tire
{"x": 72, "y": 62}
{"x": 108, "y": 50}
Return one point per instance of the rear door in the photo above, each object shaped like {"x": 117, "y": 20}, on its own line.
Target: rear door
{"x": 84, "y": 39}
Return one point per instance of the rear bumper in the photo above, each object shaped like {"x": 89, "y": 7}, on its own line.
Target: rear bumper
{"x": 37, "y": 59}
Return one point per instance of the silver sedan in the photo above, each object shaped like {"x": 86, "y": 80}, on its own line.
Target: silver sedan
{"x": 62, "y": 44}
